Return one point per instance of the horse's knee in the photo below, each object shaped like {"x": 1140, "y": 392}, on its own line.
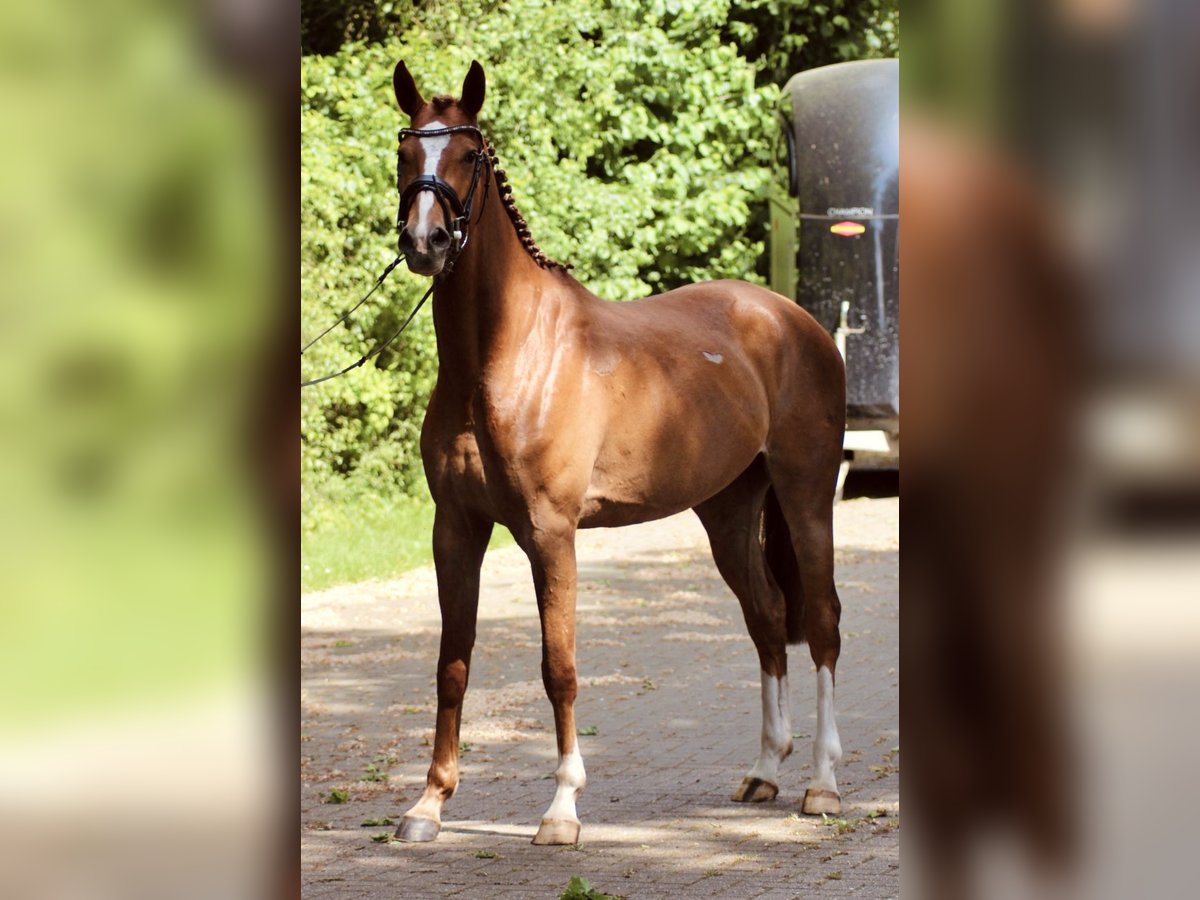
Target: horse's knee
{"x": 560, "y": 680}
{"x": 452, "y": 682}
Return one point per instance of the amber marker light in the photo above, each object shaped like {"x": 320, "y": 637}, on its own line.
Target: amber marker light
{"x": 848, "y": 229}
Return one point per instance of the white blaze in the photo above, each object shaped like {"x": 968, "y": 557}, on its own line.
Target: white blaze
{"x": 434, "y": 147}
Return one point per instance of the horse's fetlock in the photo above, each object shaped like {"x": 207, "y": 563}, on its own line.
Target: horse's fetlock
{"x": 443, "y": 778}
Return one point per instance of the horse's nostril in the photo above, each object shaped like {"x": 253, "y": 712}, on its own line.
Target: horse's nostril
{"x": 439, "y": 238}
{"x": 406, "y": 241}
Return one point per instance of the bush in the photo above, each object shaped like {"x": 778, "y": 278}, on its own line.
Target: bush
{"x": 636, "y": 148}
{"x": 637, "y": 144}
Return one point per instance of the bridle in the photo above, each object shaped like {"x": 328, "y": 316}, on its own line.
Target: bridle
{"x": 457, "y": 210}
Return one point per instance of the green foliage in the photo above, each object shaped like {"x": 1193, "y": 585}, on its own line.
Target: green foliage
{"x": 581, "y": 889}
{"x": 325, "y": 25}
{"x": 635, "y": 134}
{"x": 785, "y": 36}
{"x": 636, "y": 144}
{"x": 366, "y": 423}
{"x": 354, "y": 535}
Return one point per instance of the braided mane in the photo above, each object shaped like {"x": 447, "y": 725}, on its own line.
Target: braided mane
{"x": 519, "y": 223}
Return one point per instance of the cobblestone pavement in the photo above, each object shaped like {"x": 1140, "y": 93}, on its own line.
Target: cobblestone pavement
{"x": 668, "y": 684}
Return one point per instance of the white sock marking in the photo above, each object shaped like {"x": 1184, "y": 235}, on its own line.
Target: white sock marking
{"x": 571, "y": 779}
{"x": 827, "y": 746}
{"x": 776, "y": 729}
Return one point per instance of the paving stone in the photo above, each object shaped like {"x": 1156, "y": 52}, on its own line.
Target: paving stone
{"x": 669, "y": 680}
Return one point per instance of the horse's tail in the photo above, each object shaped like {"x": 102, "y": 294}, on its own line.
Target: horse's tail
{"x": 781, "y": 560}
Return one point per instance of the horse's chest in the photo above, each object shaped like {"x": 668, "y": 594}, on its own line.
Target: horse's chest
{"x": 466, "y": 446}
{"x": 454, "y": 463}
{"x": 499, "y": 451}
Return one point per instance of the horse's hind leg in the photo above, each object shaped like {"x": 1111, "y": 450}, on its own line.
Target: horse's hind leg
{"x": 733, "y": 521}
{"x": 459, "y": 542}
{"x": 805, "y": 493}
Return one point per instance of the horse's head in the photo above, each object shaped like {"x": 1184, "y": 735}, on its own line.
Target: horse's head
{"x": 437, "y": 174}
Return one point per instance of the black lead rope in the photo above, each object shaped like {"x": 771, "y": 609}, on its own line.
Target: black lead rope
{"x": 378, "y": 347}
{"x": 342, "y": 318}
{"x": 457, "y": 212}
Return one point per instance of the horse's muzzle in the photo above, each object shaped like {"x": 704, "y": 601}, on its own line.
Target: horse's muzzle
{"x": 425, "y": 254}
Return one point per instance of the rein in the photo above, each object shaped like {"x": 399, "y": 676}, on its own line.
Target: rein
{"x": 378, "y": 347}
{"x": 458, "y": 216}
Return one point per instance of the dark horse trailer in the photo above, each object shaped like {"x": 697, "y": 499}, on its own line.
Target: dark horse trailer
{"x": 835, "y": 224}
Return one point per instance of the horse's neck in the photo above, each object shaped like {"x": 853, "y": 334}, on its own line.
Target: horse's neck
{"x": 489, "y": 299}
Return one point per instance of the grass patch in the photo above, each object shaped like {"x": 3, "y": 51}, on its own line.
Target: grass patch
{"x": 374, "y": 774}
{"x": 581, "y": 889}
{"x": 353, "y": 538}
{"x": 843, "y": 826}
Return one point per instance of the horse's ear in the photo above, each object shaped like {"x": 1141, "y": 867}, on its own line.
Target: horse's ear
{"x": 473, "y": 90}
{"x": 407, "y": 95}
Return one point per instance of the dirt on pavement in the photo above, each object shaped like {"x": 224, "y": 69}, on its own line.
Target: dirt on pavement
{"x": 669, "y": 715}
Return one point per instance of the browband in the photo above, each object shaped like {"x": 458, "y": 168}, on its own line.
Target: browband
{"x": 456, "y": 210}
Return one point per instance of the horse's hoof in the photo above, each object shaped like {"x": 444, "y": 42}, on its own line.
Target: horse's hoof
{"x": 557, "y": 831}
{"x": 417, "y": 831}
{"x": 755, "y": 790}
{"x": 819, "y": 800}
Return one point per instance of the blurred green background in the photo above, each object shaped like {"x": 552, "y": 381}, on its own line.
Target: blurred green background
{"x": 139, "y": 283}
{"x": 637, "y": 138}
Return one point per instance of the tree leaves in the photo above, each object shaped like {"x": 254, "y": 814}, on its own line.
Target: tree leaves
{"x": 636, "y": 136}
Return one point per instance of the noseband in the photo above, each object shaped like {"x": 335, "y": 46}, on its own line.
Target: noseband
{"x": 457, "y": 210}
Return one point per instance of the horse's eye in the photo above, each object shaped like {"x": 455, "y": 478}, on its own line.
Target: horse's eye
{"x": 470, "y": 155}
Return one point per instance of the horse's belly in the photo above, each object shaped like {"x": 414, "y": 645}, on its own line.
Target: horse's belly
{"x": 641, "y": 490}
{"x": 672, "y": 444}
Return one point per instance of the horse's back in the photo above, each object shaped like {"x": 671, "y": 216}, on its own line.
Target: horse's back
{"x": 798, "y": 362}
{"x": 687, "y": 388}
{"x": 792, "y": 353}
{"x": 749, "y": 315}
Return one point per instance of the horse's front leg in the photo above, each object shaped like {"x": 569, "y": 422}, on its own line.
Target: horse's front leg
{"x": 552, "y": 556}
{"x": 459, "y": 542}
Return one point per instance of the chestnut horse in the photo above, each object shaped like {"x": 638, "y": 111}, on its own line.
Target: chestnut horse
{"x": 555, "y": 410}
